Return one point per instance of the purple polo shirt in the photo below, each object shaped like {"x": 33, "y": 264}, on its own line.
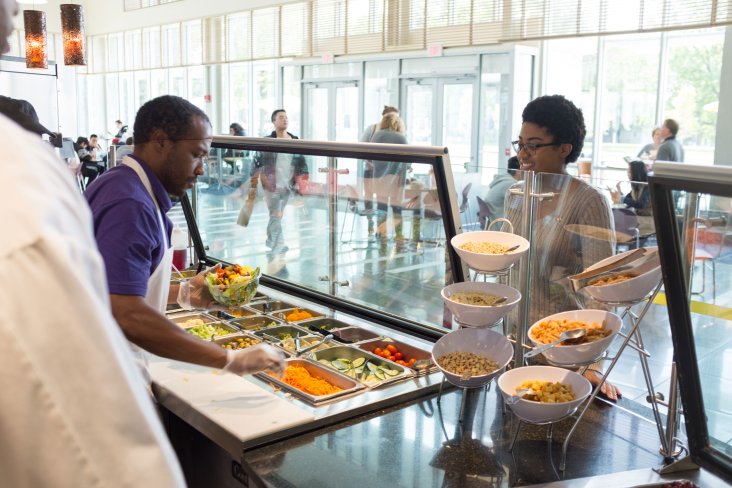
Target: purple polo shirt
{"x": 126, "y": 227}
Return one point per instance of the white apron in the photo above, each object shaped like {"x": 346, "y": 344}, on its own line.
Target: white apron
{"x": 158, "y": 285}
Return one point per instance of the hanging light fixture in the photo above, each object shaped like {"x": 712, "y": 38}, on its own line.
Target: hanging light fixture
{"x": 72, "y": 30}
{"x": 36, "y": 49}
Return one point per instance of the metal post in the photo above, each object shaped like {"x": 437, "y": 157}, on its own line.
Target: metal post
{"x": 672, "y": 417}
{"x": 524, "y": 275}
{"x": 333, "y": 222}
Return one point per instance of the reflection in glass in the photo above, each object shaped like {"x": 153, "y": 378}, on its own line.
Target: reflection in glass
{"x": 274, "y": 211}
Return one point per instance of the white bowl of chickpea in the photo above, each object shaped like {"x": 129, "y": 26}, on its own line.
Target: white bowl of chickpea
{"x": 628, "y": 286}
{"x": 556, "y": 392}
{"x": 485, "y": 250}
{"x": 602, "y": 328}
{"x": 470, "y": 358}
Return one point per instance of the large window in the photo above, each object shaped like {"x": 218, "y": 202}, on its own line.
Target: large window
{"x": 239, "y": 96}
{"x": 381, "y": 87}
{"x": 692, "y": 90}
{"x": 628, "y": 113}
{"x": 264, "y": 97}
{"x": 571, "y": 70}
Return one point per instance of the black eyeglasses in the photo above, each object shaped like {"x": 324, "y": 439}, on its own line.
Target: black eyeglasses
{"x": 531, "y": 148}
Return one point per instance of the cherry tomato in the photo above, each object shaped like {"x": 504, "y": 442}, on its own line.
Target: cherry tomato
{"x": 398, "y": 356}
{"x": 411, "y": 361}
{"x": 377, "y": 351}
{"x": 392, "y": 349}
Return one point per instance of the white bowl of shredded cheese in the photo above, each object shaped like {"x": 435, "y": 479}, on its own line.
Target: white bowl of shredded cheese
{"x": 485, "y": 250}
{"x": 471, "y": 302}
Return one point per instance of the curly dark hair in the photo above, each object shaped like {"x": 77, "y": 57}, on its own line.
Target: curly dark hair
{"x": 168, "y": 113}
{"x": 561, "y": 118}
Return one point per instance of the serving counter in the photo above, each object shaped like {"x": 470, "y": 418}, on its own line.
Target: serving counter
{"x": 383, "y": 282}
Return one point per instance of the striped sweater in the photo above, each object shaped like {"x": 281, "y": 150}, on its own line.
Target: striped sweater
{"x": 570, "y": 232}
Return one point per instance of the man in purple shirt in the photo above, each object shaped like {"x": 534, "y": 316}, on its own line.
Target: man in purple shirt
{"x": 129, "y": 205}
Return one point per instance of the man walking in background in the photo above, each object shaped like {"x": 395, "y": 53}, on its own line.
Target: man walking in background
{"x": 670, "y": 149}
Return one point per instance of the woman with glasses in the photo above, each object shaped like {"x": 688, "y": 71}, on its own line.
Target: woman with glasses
{"x": 574, "y": 228}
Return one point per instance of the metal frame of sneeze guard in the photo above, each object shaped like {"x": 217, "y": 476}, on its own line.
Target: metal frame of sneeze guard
{"x": 527, "y": 210}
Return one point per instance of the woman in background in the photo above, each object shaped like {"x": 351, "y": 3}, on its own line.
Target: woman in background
{"x": 649, "y": 150}
{"x": 639, "y": 197}
{"x": 389, "y": 180}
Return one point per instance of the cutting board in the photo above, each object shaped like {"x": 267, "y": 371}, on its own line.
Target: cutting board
{"x": 245, "y": 410}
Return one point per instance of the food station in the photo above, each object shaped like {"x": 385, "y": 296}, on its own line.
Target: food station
{"x": 368, "y": 394}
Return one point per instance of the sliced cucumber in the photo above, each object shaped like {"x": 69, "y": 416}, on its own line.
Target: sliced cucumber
{"x": 372, "y": 367}
{"x": 390, "y": 372}
{"x": 380, "y": 374}
{"x": 324, "y": 361}
{"x": 341, "y": 364}
{"x": 358, "y": 362}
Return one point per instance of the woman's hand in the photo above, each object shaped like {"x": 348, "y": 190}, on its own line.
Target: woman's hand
{"x": 616, "y": 195}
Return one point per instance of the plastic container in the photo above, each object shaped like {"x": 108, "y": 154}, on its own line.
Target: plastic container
{"x": 179, "y": 241}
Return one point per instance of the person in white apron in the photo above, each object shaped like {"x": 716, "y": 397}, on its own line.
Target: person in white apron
{"x": 172, "y": 137}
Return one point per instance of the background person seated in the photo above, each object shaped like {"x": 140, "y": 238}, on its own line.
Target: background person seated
{"x": 639, "y": 197}
{"x": 90, "y": 168}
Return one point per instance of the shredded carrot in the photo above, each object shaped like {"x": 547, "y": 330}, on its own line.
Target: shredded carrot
{"x": 298, "y": 315}
{"x": 301, "y": 379}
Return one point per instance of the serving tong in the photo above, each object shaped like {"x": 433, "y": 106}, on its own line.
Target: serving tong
{"x": 628, "y": 262}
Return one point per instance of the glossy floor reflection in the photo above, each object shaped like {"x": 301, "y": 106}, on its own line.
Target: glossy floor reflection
{"x": 423, "y": 444}
{"x": 407, "y": 280}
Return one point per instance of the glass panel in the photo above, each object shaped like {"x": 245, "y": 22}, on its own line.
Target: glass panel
{"x": 177, "y": 85}
{"x": 457, "y": 122}
{"x": 381, "y": 87}
{"x": 629, "y": 96}
{"x": 98, "y": 120}
{"x": 419, "y": 114}
{"x": 494, "y": 113}
{"x": 133, "y": 49}
{"x": 151, "y": 47}
{"x": 382, "y": 243}
{"x": 239, "y": 86}
{"x": 264, "y": 98}
{"x": 142, "y": 88}
{"x": 575, "y": 228}
{"x": 711, "y": 318}
{"x": 192, "y": 42}
{"x": 171, "y": 45}
{"x": 158, "y": 83}
{"x": 126, "y": 98}
{"x": 692, "y": 98}
{"x": 317, "y": 97}
{"x": 578, "y": 57}
{"x": 291, "y": 97}
{"x": 237, "y": 36}
{"x": 346, "y": 113}
{"x": 197, "y": 87}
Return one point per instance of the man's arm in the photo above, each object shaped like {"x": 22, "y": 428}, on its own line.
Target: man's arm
{"x": 150, "y": 330}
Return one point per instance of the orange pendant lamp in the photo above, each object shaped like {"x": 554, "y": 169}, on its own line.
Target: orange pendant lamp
{"x": 72, "y": 31}
{"x": 36, "y": 47}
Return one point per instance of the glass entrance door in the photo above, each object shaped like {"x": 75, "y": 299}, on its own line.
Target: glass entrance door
{"x": 331, "y": 111}
{"x": 442, "y": 112}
